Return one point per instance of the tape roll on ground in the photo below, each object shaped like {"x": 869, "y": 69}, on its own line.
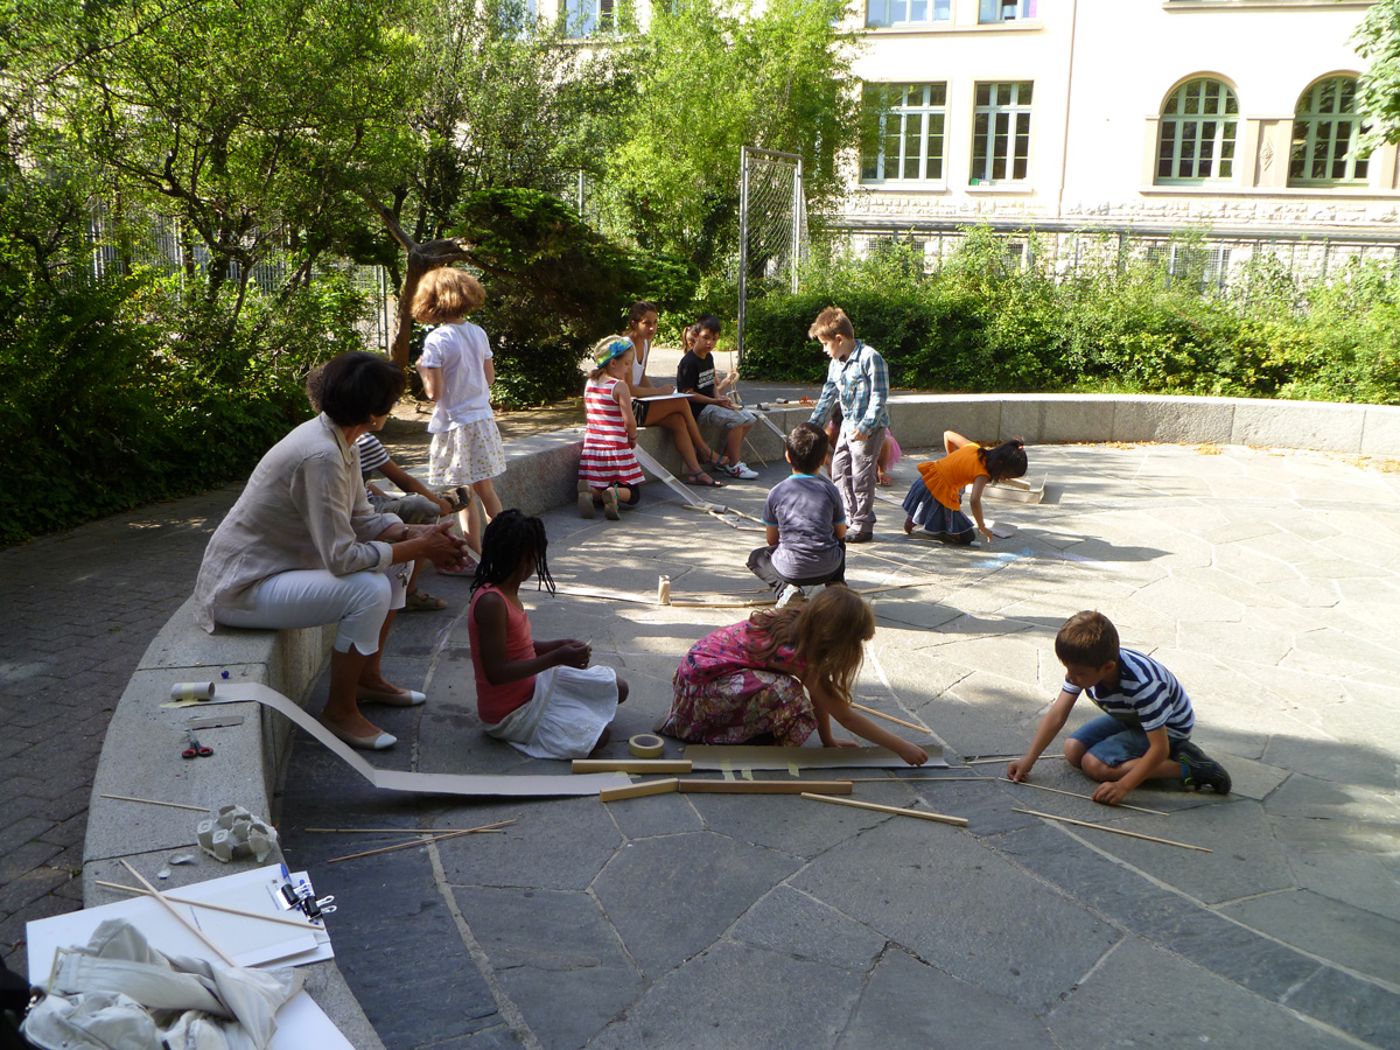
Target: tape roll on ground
{"x": 192, "y": 691}
{"x": 646, "y": 745}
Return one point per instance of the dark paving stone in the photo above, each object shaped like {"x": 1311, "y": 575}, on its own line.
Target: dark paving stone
{"x": 910, "y": 1004}
{"x": 794, "y": 923}
{"x": 700, "y": 882}
{"x": 1357, "y": 1007}
{"x": 737, "y": 996}
{"x": 554, "y": 953}
{"x": 1144, "y": 996}
{"x": 1359, "y": 940}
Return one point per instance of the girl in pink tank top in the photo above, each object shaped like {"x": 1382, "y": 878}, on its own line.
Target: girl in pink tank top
{"x": 540, "y": 696}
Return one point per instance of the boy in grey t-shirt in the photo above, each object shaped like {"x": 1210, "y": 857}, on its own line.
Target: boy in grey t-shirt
{"x": 806, "y": 522}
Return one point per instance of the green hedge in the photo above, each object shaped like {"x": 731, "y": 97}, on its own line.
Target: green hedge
{"x": 122, "y": 392}
{"x": 983, "y": 323}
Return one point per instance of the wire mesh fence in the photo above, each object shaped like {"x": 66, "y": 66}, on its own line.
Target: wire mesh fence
{"x": 155, "y": 243}
{"x": 773, "y": 234}
{"x": 1214, "y": 261}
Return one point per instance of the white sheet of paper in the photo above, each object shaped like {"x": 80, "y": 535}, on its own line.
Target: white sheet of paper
{"x": 663, "y": 397}
{"x": 301, "y": 1024}
{"x": 254, "y": 942}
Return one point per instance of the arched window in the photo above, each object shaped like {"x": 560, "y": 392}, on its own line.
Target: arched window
{"x": 1325, "y": 132}
{"x": 1196, "y": 135}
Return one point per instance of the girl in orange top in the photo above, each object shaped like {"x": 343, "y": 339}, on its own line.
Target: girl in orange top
{"x": 541, "y": 697}
{"x": 934, "y": 502}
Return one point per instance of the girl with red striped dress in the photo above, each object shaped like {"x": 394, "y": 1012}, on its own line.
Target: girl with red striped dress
{"x": 608, "y": 472}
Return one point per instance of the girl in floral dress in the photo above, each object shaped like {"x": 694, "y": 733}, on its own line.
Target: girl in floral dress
{"x": 779, "y": 675}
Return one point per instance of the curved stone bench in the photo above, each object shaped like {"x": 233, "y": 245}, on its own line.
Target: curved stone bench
{"x": 141, "y": 752}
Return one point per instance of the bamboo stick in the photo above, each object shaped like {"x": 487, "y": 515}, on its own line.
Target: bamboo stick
{"x": 381, "y": 831}
{"x": 891, "y": 718}
{"x": 632, "y": 765}
{"x": 1080, "y": 794}
{"x": 765, "y": 787}
{"x": 1002, "y": 758}
{"x": 665, "y": 786}
{"x": 929, "y": 780}
{"x": 941, "y": 818}
{"x": 1116, "y": 831}
{"x": 178, "y": 917}
{"x": 301, "y": 925}
{"x": 423, "y": 841}
{"x": 157, "y": 802}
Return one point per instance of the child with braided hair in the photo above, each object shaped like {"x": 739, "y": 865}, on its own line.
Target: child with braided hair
{"x": 540, "y": 696}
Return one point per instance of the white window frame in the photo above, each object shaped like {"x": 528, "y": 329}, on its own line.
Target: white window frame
{"x": 992, "y": 12}
{"x": 881, "y": 14}
{"x": 586, "y": 18}
{"x": 1331, "y": 127}
{"x": 918, "y": 120}
{"x": 1006, "y": 117}
{"x": 1185, "y": 127}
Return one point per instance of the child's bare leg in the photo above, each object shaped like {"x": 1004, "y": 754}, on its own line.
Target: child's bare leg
{"x": 490, "y": 502}
{"x": 469, "y": 521}
{"x": 681, "y": 436}
{"x": 734, "y": 444}
{"x": 1167, "y": 769}
{"x": 952, "y": 441}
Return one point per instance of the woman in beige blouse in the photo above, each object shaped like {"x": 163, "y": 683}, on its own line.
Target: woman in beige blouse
{"x": 302, "y": 547}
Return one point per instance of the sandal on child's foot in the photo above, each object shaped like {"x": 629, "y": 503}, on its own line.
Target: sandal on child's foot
{"x": 422, "y": 601}
{"x": 585, "y": 500}
{"x": 703, "y": 480}
{"x": 610, "y": 503}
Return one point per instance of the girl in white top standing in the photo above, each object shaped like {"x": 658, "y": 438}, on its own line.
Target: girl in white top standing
{"x": 457, "y": 373}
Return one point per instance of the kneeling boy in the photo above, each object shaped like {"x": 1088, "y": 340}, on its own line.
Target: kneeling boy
{"x": 1145, "y": 731}
{"x": 805, "y": 522}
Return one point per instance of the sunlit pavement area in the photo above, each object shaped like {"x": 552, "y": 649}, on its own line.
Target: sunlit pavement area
{"x": 1269, "y": 582}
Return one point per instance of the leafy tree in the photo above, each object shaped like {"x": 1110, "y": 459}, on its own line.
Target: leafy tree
{"x": 1378, "y": 95}
{"x": 711, "y": 79}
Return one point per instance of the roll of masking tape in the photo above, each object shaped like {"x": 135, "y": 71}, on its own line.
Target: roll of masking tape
{"x": 646, "y": 745}
{"x": 192, "y": 691}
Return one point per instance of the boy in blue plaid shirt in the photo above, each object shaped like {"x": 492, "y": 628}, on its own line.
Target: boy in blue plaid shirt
{"x": 858, "y": 380}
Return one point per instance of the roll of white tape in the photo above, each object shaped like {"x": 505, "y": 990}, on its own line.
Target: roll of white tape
{"x": 192, "y": 691}
{"x": 646, "y": 745}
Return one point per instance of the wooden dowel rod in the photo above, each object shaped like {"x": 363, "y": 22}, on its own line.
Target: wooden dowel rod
{"x": 1105, "y": 827}
{"x": 665, "y": 786}
{"x": 928, "y": 780}
{"x": 632, "y": 765}
{"x": 178, "y": 917}
{"x": 1002, "y": 758}
{"x": 765, "y": 787}
{"x": 941, "y": 818}
{"x": 1080, "y": 794}
{"x": 891, "y": 718}
{"x": 426, "y": 841}
{"x": 302, "y": 925}
{"x": 157, "y": 802}
{"x": 381, "y": 831}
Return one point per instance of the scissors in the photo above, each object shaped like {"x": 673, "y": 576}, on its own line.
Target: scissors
{"x": 196, "y": 749}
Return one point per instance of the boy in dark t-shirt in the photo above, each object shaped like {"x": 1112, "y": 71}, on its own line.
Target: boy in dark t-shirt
{"x": 696, "y": 376}
{"x": 806, "y": 523}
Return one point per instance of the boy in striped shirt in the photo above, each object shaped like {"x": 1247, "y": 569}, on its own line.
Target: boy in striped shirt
{"x": 1144, "y": 733}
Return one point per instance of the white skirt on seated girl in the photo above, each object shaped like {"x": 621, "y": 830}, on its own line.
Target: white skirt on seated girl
{"x": 569, "y": 711}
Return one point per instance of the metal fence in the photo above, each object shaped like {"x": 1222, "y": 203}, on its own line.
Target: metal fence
{"x": 1213, "y": 258}
{"x": 155, "y": 244}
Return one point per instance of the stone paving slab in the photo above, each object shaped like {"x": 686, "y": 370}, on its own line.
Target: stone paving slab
{"x": 715, "y": 921}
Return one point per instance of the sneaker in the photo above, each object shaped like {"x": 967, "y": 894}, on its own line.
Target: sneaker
{"x": 740, "y": 470}
{"x": 585, "y": 500}
{"x": 860, "y": 536}
{"x": 1198, "y": 771}
{"x": 790, "y": 593}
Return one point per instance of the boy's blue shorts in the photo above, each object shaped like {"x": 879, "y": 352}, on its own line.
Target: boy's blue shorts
{"x": 1113, "y": 742}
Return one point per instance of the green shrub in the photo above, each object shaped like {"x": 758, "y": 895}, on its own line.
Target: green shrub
{"x": 987, "y": 322}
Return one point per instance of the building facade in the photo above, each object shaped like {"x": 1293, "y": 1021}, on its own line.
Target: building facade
{"x": 1236, "y": 116}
